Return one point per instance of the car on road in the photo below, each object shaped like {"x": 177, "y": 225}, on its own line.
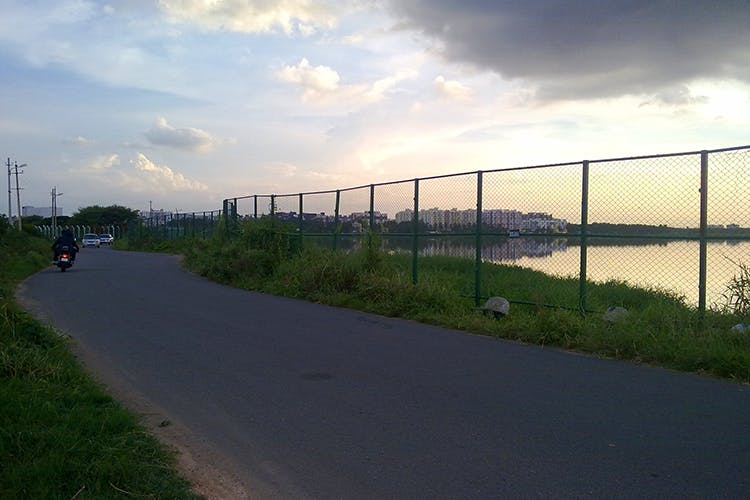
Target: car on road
{"x": 90, "y": 240}
{"x": 106, "y": 239}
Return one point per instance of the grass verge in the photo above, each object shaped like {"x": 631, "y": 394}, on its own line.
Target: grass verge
{"x": 61, "y": 435}
{"x": 660, "y": 328}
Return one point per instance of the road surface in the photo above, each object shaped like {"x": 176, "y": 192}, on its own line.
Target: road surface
{"x": 310, "y": 401}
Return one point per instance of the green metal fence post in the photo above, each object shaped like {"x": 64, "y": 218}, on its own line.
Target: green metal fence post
{"x": 336, "y": 220}
{"x": 702, "y": 272}
{"x": 301, "y": 219}
{"x": 478, "y": 244}
{"x": 372, "y": 217}
{"x": 415, "y": 234}
{"x": 372, "y": 207}
{"x": 225, "y": 216}
{"x": 255, "y": 206}
{"x": 230, "y": 216}
{"x": 584, "y": 236}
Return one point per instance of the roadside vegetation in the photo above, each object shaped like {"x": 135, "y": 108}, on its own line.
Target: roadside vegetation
{"x": 61, "y": 435}
{"x": 660, "y": 329}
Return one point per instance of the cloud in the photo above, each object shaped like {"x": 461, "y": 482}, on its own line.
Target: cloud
{"x": 452, "y": 89}
{"x": 78, "y": 141}
{"x": 105, "y": 162}
{"x": 316, "y": 81}
{"x": 676, "y": 96}
{"x": 253, "y": 16}
{"x": 140, "y": 174}
{"x": 188, "y": 139}
{"x": 162, "y": 177}
{"x": 322, "y": 83}
{"x": 589, "y": 48}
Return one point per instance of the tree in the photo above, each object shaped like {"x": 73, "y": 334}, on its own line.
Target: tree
{"x": 113, "y": 215}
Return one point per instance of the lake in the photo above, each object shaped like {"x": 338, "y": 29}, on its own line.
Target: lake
{"x": 672, "y": 265}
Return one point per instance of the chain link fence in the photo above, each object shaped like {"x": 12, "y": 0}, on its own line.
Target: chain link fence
{"x": 52, "y": 232}
{"x": 165, "y": 225}
{"x": 675, "y": 222}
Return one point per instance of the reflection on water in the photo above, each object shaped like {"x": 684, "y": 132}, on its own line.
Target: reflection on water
{"x": 672, "y": 265}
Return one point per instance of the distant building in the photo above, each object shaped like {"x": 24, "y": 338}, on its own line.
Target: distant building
{"x": 405, "y": 216}
{"x": 378, "y": 217}
{"x": 29, "y": 211}
{"x": 503, "y": 219}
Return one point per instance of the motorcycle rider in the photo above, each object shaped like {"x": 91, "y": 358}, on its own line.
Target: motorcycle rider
{"x": 67, "y": 238}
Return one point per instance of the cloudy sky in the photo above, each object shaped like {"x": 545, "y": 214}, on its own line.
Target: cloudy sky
{"x": 185, "y": 102}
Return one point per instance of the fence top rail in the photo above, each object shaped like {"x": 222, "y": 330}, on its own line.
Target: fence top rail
{"x": 671, "y": 155}
{"x": 508, "y": 169}
{"x": 158, "y": 215}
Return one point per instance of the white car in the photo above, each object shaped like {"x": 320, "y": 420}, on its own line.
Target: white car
{"x": 90, "y": 240}
{"x": 106, "y": 239}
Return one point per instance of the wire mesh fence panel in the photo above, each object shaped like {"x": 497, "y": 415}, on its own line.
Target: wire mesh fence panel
{"x": 670, "y": 266}
{"x": 246, "y": 207}
{"x": 448, "y": 204}
{"x": 647, "y": 208}
{"x": 729, "y": 192}
{"x": 354, "y": 215}
{"x": 728, "y": 277}
{"x": 448, "y": 228}
{"x": 662, "y": 191}
{"x": 394, "y": 206}
{"x": 264, "y": 204}
{"x": 526, "y": 215}
{"x": 318, "y": 214}
{"x": 394, "y": 203}
{"x": 728, "y": 223}
{"x": 533, "y": 200}
{"x": 286, "y": 207}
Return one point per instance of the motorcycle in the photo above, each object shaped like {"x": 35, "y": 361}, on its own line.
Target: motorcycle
{"x": 65, "y": 259}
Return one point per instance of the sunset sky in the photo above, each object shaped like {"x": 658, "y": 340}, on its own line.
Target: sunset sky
{"x": 186, "y": 102}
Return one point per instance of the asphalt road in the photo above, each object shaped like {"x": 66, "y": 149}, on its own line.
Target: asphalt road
{"x": 320, "y": 402}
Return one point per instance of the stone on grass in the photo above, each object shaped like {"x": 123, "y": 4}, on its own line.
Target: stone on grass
{"x": 741, "y": 327}
{"x": 498, "y": 306}
{"x": 614, "y": 314}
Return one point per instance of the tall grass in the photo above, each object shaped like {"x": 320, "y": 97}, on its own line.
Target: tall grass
{"x": 737, "y": 293}
{"x": 61, "y": 435}
{"x": 660, "y": 328}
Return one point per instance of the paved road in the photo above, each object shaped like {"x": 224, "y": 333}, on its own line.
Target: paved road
{"x": 320, "y": 402}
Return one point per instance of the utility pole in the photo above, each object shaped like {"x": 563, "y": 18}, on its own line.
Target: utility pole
{"x": 10, "y": 218}
{"x": 55, "y": 194}
{"x": 16, "y": 166}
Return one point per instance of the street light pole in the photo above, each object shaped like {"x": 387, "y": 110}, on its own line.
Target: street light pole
{"x": 55, "y": 194}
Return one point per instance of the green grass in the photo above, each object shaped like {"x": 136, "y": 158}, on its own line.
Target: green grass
{"x": 660, "y": 329}
{"x": 61, "y": 435}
